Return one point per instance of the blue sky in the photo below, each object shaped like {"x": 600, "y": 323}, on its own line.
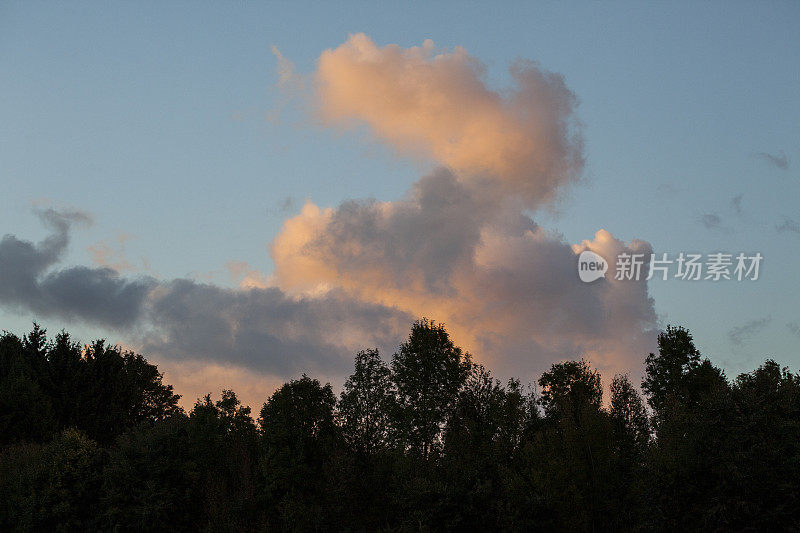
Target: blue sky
{"x": 159, "y": 119}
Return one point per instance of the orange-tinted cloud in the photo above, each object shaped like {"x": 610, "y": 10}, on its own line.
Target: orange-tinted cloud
{"x": 436, "y": 103}
{"x": 507, "y": 288}
{"x": 461, "y": 248}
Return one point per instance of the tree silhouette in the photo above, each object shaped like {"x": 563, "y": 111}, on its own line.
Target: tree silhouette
{"x": 91, "y": 439}
{"x": 367, "y": 404}
{"x": 428, "y": 371}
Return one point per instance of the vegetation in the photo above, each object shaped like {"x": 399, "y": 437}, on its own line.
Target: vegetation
{"x": 92, "y": 439}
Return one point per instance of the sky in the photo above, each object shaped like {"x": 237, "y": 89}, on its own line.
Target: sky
{"x": 247, "y": 192}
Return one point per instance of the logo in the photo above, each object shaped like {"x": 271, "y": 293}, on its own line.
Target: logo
{"x": 591, "y": 266}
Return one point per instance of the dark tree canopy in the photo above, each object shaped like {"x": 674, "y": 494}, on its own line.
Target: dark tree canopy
{"x": 99, "y": 389}
{"x": 428, "y": 371}
{"x": 91, "y": 439}
{"x": 366, "y": 406}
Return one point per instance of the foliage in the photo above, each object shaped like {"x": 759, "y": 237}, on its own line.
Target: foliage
{"x": 91, "y": 439}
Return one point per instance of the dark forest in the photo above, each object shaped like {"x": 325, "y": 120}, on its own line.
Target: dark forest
{"x": 93, "y": 440}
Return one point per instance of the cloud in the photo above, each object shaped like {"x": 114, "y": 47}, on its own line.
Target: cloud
{"x": 286, "y": 71}
{"x": 98, "y": 295}
{"x": 112, "y": 254}
{"x": 265, "y": 329}
{"x": 779, "y": 161}
{"x": 788, "y": 225}
{"x": 246, "y": 276}
{"x": 257, "y": 328}
{"x": 739, "y": 334}
{"x": 711, "y": 221}
{"x": 435, "y": 103}
{"x": 794, "y": 328}
{"x": 461, "y": 247}
{"x": 736, "y": 203}
{"x": 507, "y": 288}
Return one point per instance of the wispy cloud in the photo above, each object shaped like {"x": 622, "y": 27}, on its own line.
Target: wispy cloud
{"x": 286, "y": 71}
{"x": 736, "y": 203}
{"x": 711, "y": 221}
{"x": 739, "y": 334}
{"x": 778, "y": 160}
{"x": 111, "y": 254}
{"x": 788, "y": 225}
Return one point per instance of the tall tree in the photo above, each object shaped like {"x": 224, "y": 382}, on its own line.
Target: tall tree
{"x": 120, "y": 389}
{"x": 665, "y": 372}
{"x": 299, "y": 438}
{"x": 575, "y": 442}
{"x": 629, "y": 418}
{"x": 570, "y": 388}
{"x": 224, "y": 439}
{"x": 428, "y": 371}
{"x": 367, "y": 403}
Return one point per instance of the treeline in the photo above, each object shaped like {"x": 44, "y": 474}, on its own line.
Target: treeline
{"x": 93, "y": 440}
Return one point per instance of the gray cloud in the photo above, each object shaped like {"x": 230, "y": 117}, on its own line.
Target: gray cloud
{"x": 459, "y": 248}
{"x": 788, "y": 225}
{"x": 778, "y": 160}
{"x": 736, "y": 203}
{"x": 260, "y": 329}
{"x": 265, "y": 330}
{"x": 98, "y": 295}
{"x": 507, "y": 288}
{"x": 794, "y": 328}
{"x": 740, "y": 334}
{"x": 711, "y": 221}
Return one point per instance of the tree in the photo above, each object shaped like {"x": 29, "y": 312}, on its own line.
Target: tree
{"x": 26, "y": 409}
{"x": 764, "y": 478}
{"x": 576, "y": 445}
{"x": 628, "y": 418}
{"x": 666, "y": 371}
{"x": 53, "y": 487}
{"x": 570, "y": 388}
{"x": 299, "y": 438}
{"x": 367, "y": 403}
{"x": 630, "y": 438}
{"x": 153, "y": 480}
{"x": 119, "y": 390}
{"x": 428, "y": 371}
{"x": 478, "y": 443}
{"x": 99, "y": 389}
{"x": 225, "y": 417}
{"x": 224, "y": 439}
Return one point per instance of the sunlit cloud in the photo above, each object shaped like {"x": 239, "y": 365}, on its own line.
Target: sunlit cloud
{"x": 461, "y": 247}
{"x": 435, "y": 103}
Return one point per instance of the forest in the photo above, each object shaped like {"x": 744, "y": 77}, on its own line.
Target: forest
{"x": 92, "y": 439}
